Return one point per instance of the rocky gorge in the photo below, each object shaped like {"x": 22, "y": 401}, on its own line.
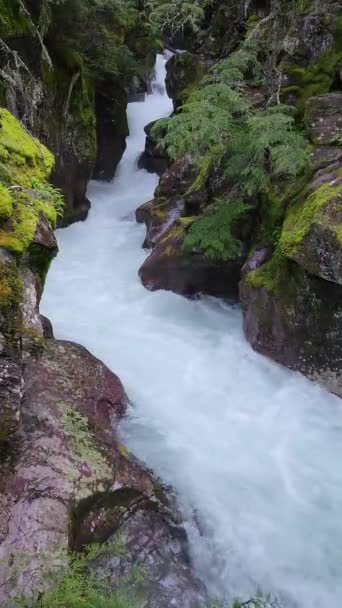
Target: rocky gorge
{"x": 67, "y": 481}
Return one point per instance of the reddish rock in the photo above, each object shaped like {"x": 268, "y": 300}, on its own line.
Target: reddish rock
{"x": 67, "y": 480}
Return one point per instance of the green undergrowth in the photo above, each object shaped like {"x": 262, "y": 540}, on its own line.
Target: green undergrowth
{"x": 213, "y": 234}
{"x": 301, "y": 216}
{"x": 78, "y": 587}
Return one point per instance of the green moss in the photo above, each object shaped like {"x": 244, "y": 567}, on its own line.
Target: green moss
{"x": 26, "y": 165}
{"x": 6, "y": 203}
{"x": 23, "y": 157}
{"x": 279, "y": 276}
{"x": 18, "y": 236}
{"x": 302, "y": 215}
{"x": 77, "y": 430}
{"x": 11, "y": 288}
{"x": 316, "y": 79}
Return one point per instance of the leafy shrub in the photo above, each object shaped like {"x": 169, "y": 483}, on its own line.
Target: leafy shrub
{"x": 213, "y": 235}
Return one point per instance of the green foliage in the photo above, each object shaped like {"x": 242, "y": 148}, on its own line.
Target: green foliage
{"x": 234, "y": 69}
{"x": 213, "y": 235}
{"x": 173, "y": 16}
{"x": 78, "y": 588}
{"x": 217, "y": 123}
{"x": 106, "y": 34}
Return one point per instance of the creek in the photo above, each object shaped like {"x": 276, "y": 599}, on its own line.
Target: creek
{"x": 254, "y": 450}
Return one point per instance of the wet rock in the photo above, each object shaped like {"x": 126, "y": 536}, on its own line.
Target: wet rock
{"x": 167, "y": 267}
{"x": 323, "y": 119}
{"x": 68, "y": 478}
{"x": 158, "y": 217}
{"x": 112, "y": 130}
{"x": 296, "y": 320}
{"x": 153, "y": 159}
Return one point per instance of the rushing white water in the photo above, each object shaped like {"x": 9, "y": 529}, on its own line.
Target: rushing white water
{"x": 254, "y": 449}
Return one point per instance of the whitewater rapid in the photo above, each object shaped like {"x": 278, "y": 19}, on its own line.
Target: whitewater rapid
{"x": 252, "y": 448}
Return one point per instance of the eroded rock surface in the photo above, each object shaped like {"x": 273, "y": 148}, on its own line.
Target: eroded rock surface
{"x": 67, "y": 479}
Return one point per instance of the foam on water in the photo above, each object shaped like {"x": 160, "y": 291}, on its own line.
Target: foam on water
{"x": 254, "y": 449}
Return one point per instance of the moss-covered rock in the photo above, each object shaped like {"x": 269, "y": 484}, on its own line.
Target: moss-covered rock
{"x": 312, "y": 231}
{"x": 28, "y": 212}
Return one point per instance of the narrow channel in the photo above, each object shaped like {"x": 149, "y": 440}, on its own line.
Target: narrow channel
{"x": 253, "y": 449}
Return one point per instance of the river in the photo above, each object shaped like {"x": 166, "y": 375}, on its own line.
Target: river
{"x": 253, "y": 449}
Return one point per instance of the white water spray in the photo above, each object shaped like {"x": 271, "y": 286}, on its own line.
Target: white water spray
{"x": 254, "y": 449}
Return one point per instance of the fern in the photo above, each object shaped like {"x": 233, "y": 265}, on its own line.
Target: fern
{"x": 269, "y": 146}
{"x": 213, "y": 233}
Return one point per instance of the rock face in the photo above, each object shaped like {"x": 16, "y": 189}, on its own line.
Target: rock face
{"x": 293, "y": 303}
{"x": 112, "y": 130}
{"x": 68, "y": 480}
{"x": 323, "y": 118}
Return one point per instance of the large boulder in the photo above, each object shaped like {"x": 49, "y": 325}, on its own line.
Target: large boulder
{"x": 295, "y": 319}
{"x": 169, "y": 268}
{"x": 69, "y": 482}
{"x": 154, "y": 159}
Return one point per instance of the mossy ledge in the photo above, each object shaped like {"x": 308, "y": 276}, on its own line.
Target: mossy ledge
{"x": 26, "y": 197}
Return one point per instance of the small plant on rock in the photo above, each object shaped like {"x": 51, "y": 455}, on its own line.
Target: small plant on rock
{"x": 213, "y": 234}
